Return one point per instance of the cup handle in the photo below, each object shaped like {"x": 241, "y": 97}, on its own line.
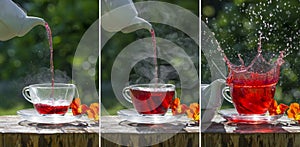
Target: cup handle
{"x": 226, "y": 95}
{"x": 26, "y": 95}
{"x": 126, "y": 94}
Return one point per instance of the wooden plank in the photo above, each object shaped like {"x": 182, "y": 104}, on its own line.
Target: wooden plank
{"x": 177, "y": 140}
{"x": 37, "y": 140}
{"x": 117, "y": 132}
{"x": 258, "y": 139}
{"x": 18, "y": 132}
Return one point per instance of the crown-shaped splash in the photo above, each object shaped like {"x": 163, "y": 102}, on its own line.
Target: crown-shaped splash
{"x": 252, "y": 87}
{"x": 258, "y": 72}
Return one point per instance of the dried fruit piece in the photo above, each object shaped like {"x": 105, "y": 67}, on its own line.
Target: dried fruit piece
{"x": 177, "y": 107}
{"x": 294, "y": 111}
{"x": 193, "y": 111}
{"x": 75, "y": 106}
{"x": 276, "y": 109}
{"x": 93, "y": 111}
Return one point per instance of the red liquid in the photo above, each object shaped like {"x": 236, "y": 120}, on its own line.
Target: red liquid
{"x": 155, "y": 55}
{"x": 252, "y": 87}
{"x": 50, "y": 109}
{"x": 252, "y": 99}
{"x": 49, "y": 35}
{"x": 149, "y": 101}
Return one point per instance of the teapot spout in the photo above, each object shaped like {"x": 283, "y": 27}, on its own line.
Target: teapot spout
{"x": 136, "y": 24}
{"x": 29, "y": 23}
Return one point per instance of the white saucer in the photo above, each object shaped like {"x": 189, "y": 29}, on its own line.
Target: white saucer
{"x": 33, "y": 116}
{"x": 232, "y": 115}
{"x": 133, "y": 116}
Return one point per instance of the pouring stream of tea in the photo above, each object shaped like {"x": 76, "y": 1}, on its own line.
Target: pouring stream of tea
{"x": 49, "y": 34}
{"x": 52, "y": 106}
{"x": 155, "y": 55}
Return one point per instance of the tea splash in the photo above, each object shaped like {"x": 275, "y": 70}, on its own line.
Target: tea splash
{"x": 253, "y": 87}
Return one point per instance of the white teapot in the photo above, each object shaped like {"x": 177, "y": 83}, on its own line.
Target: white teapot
{"x": 211, "y": 100}
{"x": 14, "y": 21}
{"x": 121, "y": 15}
{"x": 211, "y": 94}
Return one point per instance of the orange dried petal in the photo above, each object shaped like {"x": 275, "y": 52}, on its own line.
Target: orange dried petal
{"x": 189, "y": 113}
{"x": 75, "y": 105}
{"x": 93, "y": 115}
{"x": 196, "y": 117}
{"x": 174, "y": 105}
{"x": 273, "y": 107}
{"x": 181, "y": 109}
{"x": 192, "y": 115}
{"x": 194, "y": 107}
{"x": 83, "y": 108}
{"x": 93, "y": 111}
{"x": 193, "y": 111}
{"x": 297, "y": 117}
{"x": 276, "y": 109}
{"x": 95, "y": 107}
{"x": 281, "y": 108}
{"x": 293, "y": 110}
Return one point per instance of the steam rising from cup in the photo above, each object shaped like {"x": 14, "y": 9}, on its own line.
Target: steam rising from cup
{"x": 43, "y": 75}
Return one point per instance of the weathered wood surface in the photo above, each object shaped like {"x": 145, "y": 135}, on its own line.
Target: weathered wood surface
{"x": 18, "y": 132}
{"x": 117, "y": 132}
{"x": 283, "y": 133}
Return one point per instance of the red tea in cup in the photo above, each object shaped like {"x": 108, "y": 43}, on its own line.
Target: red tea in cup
{"x": 252, "y": 88}
{"x": 49, "y": 99}
{"x": 252, "y": 99}
{"x": 150, "y": 99}
{"x": 60, "y": 107}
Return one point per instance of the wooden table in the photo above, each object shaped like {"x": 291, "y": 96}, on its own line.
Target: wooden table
{"x": 283, "y": 133}
{"x": 118, "y": 132}
{"x": 18, "y": 132}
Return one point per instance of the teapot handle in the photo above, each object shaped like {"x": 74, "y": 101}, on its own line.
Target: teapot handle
{"x": 225, "y": 94}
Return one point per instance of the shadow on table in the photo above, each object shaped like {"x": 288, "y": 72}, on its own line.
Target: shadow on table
{"x": 244, "y": 128}
{"x": 74, "y": 125}
{"x": 155, "y": 128}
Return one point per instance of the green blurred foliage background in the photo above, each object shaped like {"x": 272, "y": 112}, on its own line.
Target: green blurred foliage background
{"x": 23, "y": 57}
{"x": 237, "y": 25}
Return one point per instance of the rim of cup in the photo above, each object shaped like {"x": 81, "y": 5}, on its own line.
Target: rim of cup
{"x": 160, "y": 86}
{"x": 153, "y": 84}
{"x": 49, "y": 85}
